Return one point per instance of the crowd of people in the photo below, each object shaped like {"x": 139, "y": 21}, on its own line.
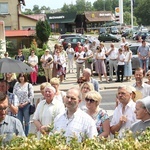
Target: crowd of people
{"x": 77, "y": 112}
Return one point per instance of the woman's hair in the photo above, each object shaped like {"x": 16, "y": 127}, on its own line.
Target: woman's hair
{"x": 55, "y": 81}
{"x": 13, "y": 76}
{"x": 94, "y": 95}
{"x": 43, "y": 85}
{"x": 147, "y": 73}
{"x": 22, "y": 75}
{"x": 91, "y": 87}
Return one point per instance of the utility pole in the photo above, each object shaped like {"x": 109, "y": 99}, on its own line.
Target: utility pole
{"x": 121, "y": 11}
{"x": 131, "y": 14}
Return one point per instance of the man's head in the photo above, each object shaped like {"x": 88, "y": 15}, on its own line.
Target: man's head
{"x": 3, "y": 106}
{"x": 143, "y": 43}
{"x": 124, "y": 94}
{"x": 72, "y": 99}
{"x": 49, "y": 93}
{"x": 139, "y": 75}
{"x": 142, "y": 109}
{"x": 4, "y": 86}
{"x": 87, "y": 74}
{"x": 80, "y": 49}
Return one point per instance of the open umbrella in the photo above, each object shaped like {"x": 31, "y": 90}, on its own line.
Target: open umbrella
{"x": 8, "y": 65}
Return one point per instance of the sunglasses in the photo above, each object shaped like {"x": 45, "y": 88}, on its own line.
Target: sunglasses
{"x": 89, "y": 100}
{"x": 72, "y": 98}
{"x": 3, "y": 109}
{"x": 80, "y": 82}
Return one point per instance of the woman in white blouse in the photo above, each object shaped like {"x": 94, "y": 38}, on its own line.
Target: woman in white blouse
{"x": 100, "y": 66}
{"x": 33, "y": 62}
{"x": 70, "y": 52}
{"x": 25, "y": 94}
{"x": 128, "y": 64}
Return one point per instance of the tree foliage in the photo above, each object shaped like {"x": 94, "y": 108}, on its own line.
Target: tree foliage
{"x": 43, "y": 31}
{"x": 142, "y": 12}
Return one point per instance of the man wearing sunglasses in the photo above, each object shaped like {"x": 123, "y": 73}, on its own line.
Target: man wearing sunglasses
{"x": 74, "y": 121}
{"x": 8, "y": 124}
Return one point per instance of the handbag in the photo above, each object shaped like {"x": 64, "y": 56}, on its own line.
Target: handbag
{"x": 32, "y": 106}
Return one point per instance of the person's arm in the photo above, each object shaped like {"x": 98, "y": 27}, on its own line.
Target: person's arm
{"x": 13, "y": 109}
{"x": 106, "y": 128}
{"x": 116, "y": 128}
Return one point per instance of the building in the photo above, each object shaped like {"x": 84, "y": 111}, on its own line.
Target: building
{"x": 62, "y": 22}
{"x": 95, "y": 19}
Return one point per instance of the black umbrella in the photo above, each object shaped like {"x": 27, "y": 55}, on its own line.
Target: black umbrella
{"x": 8, "y": 65}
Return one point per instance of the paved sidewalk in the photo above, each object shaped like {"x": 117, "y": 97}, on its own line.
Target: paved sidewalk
{"x": 71, "y": 81}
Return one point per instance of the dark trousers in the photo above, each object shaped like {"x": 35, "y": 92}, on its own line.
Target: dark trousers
{"x": 120, "y": 71}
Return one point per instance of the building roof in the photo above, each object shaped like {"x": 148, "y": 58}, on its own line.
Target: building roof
{"x": 98, "y": 16}
{"x": 19, "y": 33}
{"x": 61, "y": 17}
{"x": 37, "y": 17}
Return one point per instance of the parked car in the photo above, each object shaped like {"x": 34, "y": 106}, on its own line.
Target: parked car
{"x": 102, "y": 30}
{"x": 108, "y": 37}
{"x": 114, "y": 30}
{"x": 142, "y": 34}
{"x": 73, "y": 41}
{"x": 63, "y": 36}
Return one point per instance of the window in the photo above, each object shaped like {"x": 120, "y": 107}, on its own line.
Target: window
{"x": 3, "y": 8}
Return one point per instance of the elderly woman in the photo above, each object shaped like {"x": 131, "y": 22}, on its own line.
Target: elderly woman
{"x": 142, "y": 111}
{"x": 59, "y": 95}
{"x": 46, "y": 111}
{"x": 148, "y": 77}
{"x": 42, "y": 86}
{"x": 93, "y": 99}
{"x": 85, "y": 87}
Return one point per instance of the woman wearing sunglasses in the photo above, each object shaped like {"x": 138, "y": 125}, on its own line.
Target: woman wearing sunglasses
{"x": 93, "y": 99}
{"x": 85, "y": 87}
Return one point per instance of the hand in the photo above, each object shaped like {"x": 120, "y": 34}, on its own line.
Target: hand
{"x": 43, "y": 129}
{"x": 123, "y": 119}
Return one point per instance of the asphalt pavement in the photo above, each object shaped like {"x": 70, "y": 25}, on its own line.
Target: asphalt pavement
{"x": 71, "y": 81}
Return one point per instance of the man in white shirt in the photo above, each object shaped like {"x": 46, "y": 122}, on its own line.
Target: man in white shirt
{"x": 80, "y": 59}
{"x": 142, "y": 89}
{"x": 75, "y": 122}
{"x": 47, "y": 110}
{"x": 112, "y": 55}
{"x": 124, "y": 115}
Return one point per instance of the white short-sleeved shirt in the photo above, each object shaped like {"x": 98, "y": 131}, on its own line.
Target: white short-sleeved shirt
{"x": 45, "y": 113}
{"x": 113, "y": 54}
{"x": 121, "y": 58}
{"x": 79, "y": 125}
{"x": 144, "y": 89}
{"x": 129, "y": 113}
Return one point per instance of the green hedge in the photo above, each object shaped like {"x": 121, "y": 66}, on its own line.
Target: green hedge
{"x": 58, "y": 142}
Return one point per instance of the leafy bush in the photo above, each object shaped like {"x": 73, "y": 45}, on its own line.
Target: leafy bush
{"x": 57, "y": 141}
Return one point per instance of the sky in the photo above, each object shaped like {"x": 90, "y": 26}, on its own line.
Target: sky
{"x": 53, "y": 4}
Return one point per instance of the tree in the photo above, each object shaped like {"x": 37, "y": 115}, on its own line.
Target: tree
{"x": 43, "y": 31}
{"x": 36, "y": 9}
{"x": 142, "y": 12}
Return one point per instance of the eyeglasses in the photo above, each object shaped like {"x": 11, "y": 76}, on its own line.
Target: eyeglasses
{"x": 89, "y": 100}
{"x": 80, "y": 82}
{"x": 148, "y": 75}
{"x": 3, "y": 109}
{"x": 72, "y": 98}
